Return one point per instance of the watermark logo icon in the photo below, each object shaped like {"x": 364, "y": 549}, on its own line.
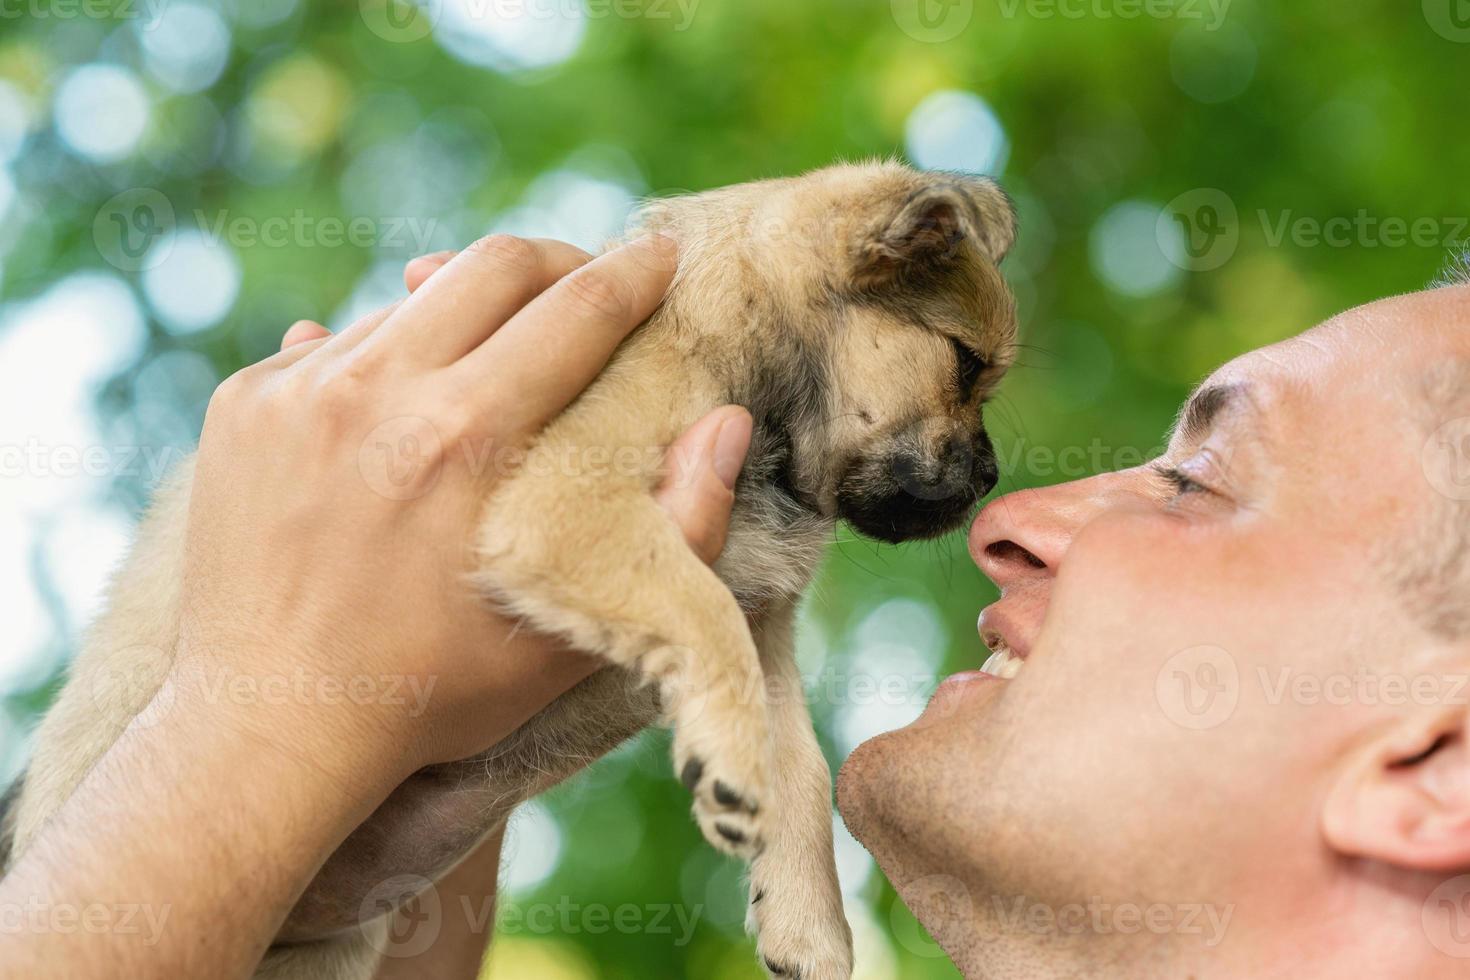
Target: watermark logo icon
{"x": 1446, "y": 917}
{"x": 1450, "y": 19}
{"x": 127, "y": 229}
{"x": 401, "y": 21}
{"x": 414, "y": 914}
{"x": 400, "y": 459}
{"x": 1199, "y": 230}
{"x": 1199, "y": 688}
{"x": 1446, "y": 459}
{"x": 933, "y": 21}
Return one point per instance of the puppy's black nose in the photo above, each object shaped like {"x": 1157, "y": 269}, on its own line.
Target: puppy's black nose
{"x": 959, "y": 467}
{"x": 918, "y": 491}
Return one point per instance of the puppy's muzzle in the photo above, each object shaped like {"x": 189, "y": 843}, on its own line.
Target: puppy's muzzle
{"x": 920, "y": 485}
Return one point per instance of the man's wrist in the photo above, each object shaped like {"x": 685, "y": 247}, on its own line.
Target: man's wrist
{"x": 308, "y": 731}
{"x": 201, "y": 813}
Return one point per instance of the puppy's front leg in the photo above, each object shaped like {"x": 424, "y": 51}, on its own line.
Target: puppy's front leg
{"x": 599, "y": 563}
{"x": 795, "y": 902}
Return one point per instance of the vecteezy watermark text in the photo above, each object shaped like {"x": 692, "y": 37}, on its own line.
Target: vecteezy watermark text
{"x": 1096, "y": 916}
{"x": 36, "y": 915}
{"x": 147, "y": 11}
{"x": 1200, "y": 230}
{"x": 1210, "y": 14}
{"x": 301, "y": 230}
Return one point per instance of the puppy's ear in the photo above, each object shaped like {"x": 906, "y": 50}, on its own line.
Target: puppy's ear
{"x": 934, "y": 226}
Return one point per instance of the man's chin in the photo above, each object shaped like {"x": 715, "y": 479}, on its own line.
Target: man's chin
{"x": 880, "y": 780}
{"x": 875, "y": 766}
{"x": 957, "y": 695}
{"x": 865, "y": 783}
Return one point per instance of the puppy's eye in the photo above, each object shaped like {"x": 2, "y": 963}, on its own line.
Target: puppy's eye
{"x": 969, "y": 368}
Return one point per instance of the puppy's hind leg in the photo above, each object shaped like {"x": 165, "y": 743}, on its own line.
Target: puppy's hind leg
{"x": 795, "y": 902}
{"x": 600, "y": 564}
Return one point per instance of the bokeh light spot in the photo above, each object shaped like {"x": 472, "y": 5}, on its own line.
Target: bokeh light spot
{"x": 954, "y": 130}
{"x": 512, "y": 37}
{"x": 1125, "y": 250}
{"x": 1213, "y": 66}
{"x": 195, "y": 285}
{"x": 57, "y": 465}
{"x": 298, "y": 106}
{"x": 896, "y": 651}
{"x": 186, "y": 47}
{"x": 101, "y": 112}
{"x": 533, "y": 847}
{"x": 574, "y": 207}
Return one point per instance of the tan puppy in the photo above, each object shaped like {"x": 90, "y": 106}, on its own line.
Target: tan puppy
{"x": 858, "y": 313}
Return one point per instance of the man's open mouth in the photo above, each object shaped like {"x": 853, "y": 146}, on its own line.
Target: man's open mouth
{"x": 1002, "y": 662}
{"x": 1005, "y": 629}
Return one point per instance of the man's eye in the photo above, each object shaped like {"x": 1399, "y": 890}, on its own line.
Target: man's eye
{"x": 1181, "y": 483}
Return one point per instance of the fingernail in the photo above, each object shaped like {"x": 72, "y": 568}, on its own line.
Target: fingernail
{"x": 438, "y": 258}
{"x": 731, "y": 445}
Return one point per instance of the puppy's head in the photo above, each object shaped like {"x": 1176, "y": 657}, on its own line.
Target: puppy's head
{"x": 871, "y": 327}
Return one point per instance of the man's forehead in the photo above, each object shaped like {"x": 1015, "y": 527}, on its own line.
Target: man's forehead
{"x": 1291, "y": 389}
{"x": 1331, "y": 358}
{"x": 1360, "y": 370}
{"x": 1422, "y": 324}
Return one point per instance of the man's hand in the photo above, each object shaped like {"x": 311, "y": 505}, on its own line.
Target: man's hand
{"x": 339, "y": 486}
{"x": 336, "y": 492}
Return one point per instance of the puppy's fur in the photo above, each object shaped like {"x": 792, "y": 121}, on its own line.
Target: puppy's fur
{"x": 858, "y": 313}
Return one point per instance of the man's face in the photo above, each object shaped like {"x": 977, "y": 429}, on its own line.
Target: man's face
{"x": 1163, "y": 742}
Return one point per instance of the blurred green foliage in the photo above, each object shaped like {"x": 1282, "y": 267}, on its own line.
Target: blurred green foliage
{"x": 1291, "y": 116}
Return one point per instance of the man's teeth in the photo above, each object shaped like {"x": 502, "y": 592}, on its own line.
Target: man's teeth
{"x": 1002, "y": 663}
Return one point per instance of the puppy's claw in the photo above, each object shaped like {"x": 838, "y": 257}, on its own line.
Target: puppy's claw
{"x": 691, "y": 774}
{"x": 725, "y": 796}
{"x": 727, "y": 810}
{"x": 792, "y": 941}
{"x": 736, "y": 834}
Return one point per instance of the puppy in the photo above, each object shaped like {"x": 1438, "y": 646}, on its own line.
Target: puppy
{"x": 859, "y": 314}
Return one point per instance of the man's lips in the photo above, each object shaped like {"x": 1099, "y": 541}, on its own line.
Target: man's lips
{"x": 1008, "y": 628}
{"x": 998, "y": 632}
{"x": 1006, "y": 624}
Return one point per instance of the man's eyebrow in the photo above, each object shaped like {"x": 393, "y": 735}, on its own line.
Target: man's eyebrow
{"x": 1198, "y": 416}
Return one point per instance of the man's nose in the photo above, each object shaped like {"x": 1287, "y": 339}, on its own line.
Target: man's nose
{"x": 1023, "y": 536}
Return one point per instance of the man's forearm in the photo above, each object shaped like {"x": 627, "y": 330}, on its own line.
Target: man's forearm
{"x": 183, "y": 827}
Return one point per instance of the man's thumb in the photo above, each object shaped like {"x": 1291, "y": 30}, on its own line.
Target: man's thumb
{"x": 698, "y": 491}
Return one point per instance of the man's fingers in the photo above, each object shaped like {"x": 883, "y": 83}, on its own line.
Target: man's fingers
{"x": 418, "y": 270}
{"x": 703, "y": 466}
{"x": 303, "y": 330}
{"x": 551, "y": 350}
{"x": 473, "y": 295}
{"x": 302, "y": 338}
{"x": 363, "y": 327}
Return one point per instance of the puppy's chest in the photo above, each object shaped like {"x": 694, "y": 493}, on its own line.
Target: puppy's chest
{"x": 775, "y": 543}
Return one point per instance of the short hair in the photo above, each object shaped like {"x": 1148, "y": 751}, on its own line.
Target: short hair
{"x": 1436, "y": 580}
{"x": 1433, "y": 562}
{"x": 1456, "y": 271}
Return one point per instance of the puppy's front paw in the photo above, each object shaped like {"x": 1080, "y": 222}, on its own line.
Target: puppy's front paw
{"x": 801, "y": 933}
{"x": 727, "y": 800}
